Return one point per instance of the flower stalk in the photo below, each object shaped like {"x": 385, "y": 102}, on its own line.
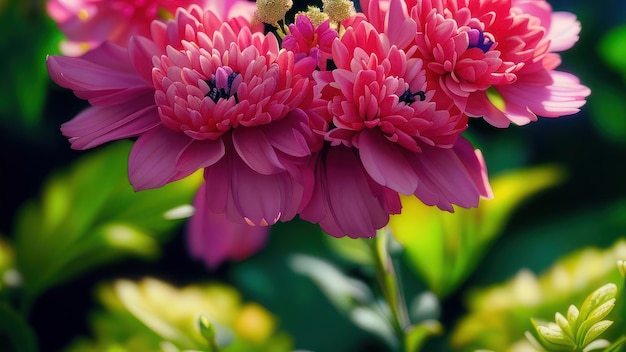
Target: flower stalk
{"x": 388, "y": 282}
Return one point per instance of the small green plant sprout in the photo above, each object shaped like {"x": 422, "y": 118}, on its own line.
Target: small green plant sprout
{"x": 579, "y": 329}
{"x": 208, "y": 332}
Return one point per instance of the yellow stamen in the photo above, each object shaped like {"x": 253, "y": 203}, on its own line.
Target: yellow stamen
{"x": 338, "y": 10}
{"x": 82, "y": 15}
{"x": 272, "y": 11}
{"x": 315, "y": 14}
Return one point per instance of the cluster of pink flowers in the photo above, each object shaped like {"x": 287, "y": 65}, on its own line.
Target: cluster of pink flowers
{"x": 332, "y": 123}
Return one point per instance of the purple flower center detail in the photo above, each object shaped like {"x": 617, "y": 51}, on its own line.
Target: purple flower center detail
{"x": 478, "y": 40}
{"x": 223, "y": 84}
{"x": 409, "y": 98}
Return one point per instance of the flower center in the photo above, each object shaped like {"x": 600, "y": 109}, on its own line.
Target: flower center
{"x": 477, "y": 39}
{"x": 409, "y": 98}
{"x": 223, "y": 84}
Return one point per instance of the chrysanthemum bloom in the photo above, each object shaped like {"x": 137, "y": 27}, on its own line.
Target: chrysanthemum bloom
{"x": 307, "y": 40}
{"x": 214, "y": 239}
{"x": 88, "y": 23}
{"x": 200, "y": 93}
{"x": 494, "y": 59}
{"x": 387, "y": 136}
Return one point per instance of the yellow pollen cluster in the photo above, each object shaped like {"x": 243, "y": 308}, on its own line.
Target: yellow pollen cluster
{"x": 315, "y": 14}
{"x": 338, "y": 10}
{"x": 272, "y": 11}
{"x": 83, "y": 15}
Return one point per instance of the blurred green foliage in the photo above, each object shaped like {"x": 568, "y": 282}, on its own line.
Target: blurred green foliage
{"x": 89, "y": 216}
{"x": 444, "y": 248}
{"x": 318, "y": 288}
{"x": 31, "y": 35}
{"x": 136, "y": 319}
{"x": 499, "y": 315}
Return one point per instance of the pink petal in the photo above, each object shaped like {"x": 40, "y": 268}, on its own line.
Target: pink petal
{"x": 401, "y": 29}
{"x": 479, "y": 106}
{"x": 255, "y": 149}
{"x": 264, "y": 199}
{"x": 344, "y": 200}
{"x": 104, "y": 68}
{"x": 97, "y": 125}
{"x": 247, "y": 196}
{"x": 290, "y": 134}
{"x": 385, "y": 162}
{"x": 564, "y": 96}
{"x": 141, "y": 50}
{"x": 451, "y": 176}
{"x": 161, "y": 156}
{"x": 564, "y": 30}
{"x": 214, "y": 239}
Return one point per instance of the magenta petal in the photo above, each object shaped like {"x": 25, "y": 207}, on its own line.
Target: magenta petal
{"x": 104, "y": 68}
{"x": 141, "y": 50}
{"x": 200, "y": 154}
{"x": 214, "y": 239}
{"x": 248, "y": 196}
{"x": 401, "y": 29}
{"x": 344, "y": 200}
{"x": 564, "y": 96}
{"x": 255, "y": 149}
{"x": 161, "y": 155}
{"x": 451, "y": 176}
{"x": 385, "y": 162}
{"x": 97, "y": 125}
{"x": 263, "y": 199}
{"x": 479, "y": 105}
{"x": 289, "y": 135}
{"x": 218, "y": 183}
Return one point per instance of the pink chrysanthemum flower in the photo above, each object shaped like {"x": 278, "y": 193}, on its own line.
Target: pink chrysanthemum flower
{"x": 388, "y": 136}
{"x": 200, "y": 93}
{"x": 493, "y": 58}
{"x": 307, "y": 40}
{"x": 89, "y": 23}
{"x": 214, "y": 239}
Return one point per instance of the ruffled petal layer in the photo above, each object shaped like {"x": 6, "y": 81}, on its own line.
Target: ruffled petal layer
{"x": 451, "y": 176}
{"x": 161, "y": 156}
{"x": 345, "y": 201}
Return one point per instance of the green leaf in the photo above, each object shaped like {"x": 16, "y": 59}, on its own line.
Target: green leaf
{"x": 594, "y": 331}
{"x": 562, "y": 322}
{"x": 416, "y": 335}
{"x": 597, "y": 345}
{"x": 351, "y": 297}
{"x": 198, "y": 317}
{"x": 351, "y": 249}
{"x": 617, "y": 345}
{"x": 498, "y": 315}
{"x": 15, "y": 333}
{"x": 344, "y": 292}
{"x": 89, "y": 215}
{"x": 33, "y": 35}
{"x": 612, "y": 49}
{"x": 443, "y": 248}
{"x": 554, "y": 338}
{"x": 596, "y": 300}
{"x": 608, "y": 111}
{"x": 269, "y": 278}
{"x": 572, "y": 316}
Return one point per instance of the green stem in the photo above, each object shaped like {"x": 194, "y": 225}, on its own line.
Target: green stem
{"x": 388, "y": 282}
